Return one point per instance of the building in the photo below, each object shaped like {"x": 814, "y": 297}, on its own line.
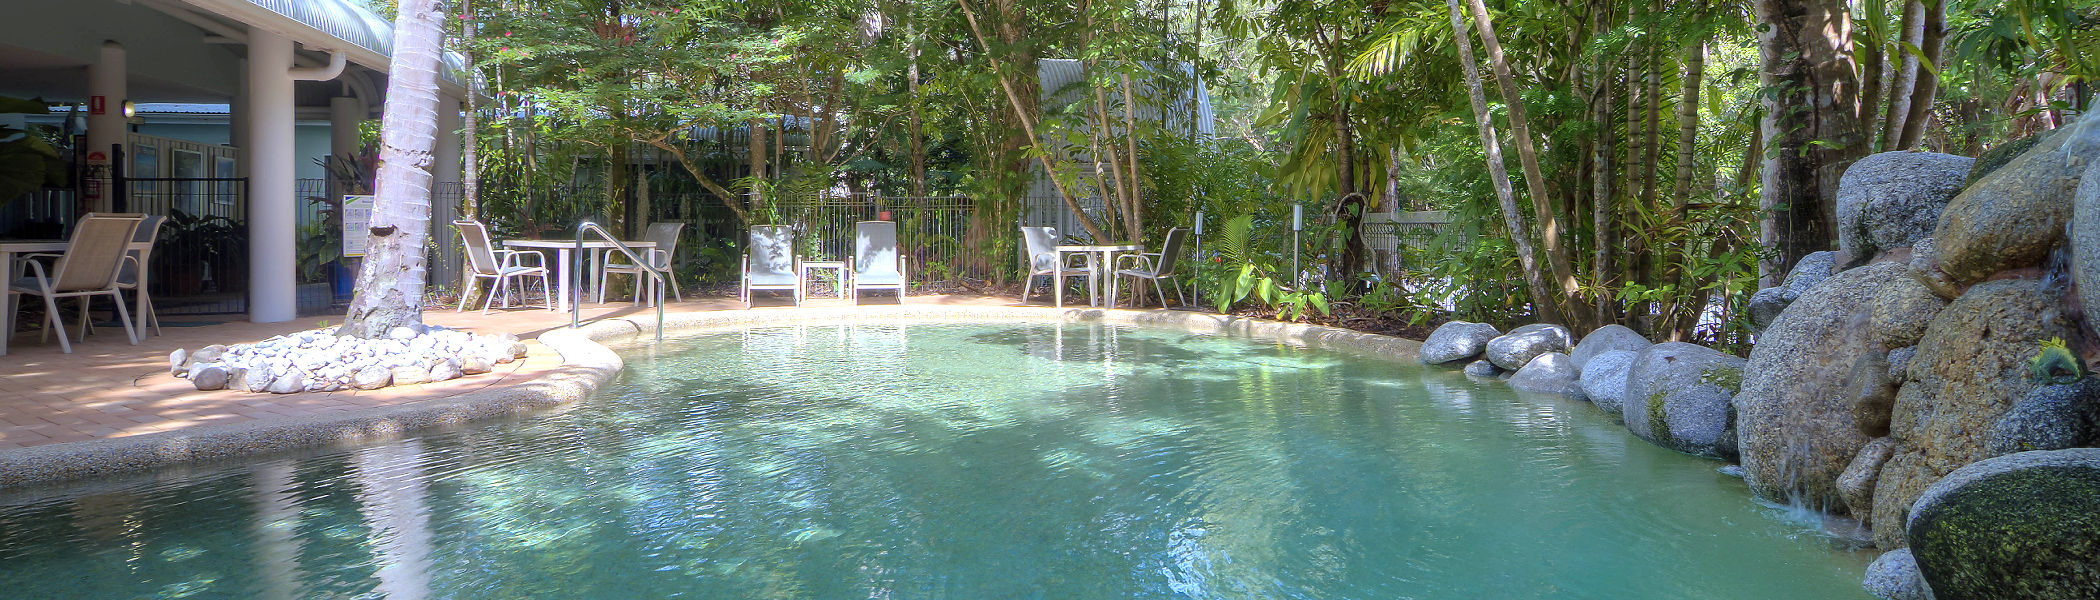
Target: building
{"x": 252, "y": 69}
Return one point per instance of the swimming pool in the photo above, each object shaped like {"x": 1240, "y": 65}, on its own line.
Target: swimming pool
{"x": 957, "y": 461}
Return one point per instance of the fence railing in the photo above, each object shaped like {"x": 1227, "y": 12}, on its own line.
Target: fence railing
{"x": 935, "y": 232}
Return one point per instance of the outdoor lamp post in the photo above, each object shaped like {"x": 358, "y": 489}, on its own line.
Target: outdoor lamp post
{"x": 1297, "y": 224}
{"x": 1197, "y": 293}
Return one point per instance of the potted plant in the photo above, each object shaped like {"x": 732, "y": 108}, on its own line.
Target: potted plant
{"x": 214, "y": 241}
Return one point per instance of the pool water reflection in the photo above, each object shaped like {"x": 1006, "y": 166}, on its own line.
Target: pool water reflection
{"x": 956, "y": 461}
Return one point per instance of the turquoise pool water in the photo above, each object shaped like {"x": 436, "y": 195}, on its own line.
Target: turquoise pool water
{"x": 955, "y": 461}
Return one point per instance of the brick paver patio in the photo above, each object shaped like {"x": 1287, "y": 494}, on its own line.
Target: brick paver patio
{"x": 107, "y": 388}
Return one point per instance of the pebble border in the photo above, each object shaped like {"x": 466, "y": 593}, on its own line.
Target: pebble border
{"x": 587, "y": 364}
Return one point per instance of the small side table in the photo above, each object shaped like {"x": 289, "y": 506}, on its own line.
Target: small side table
{"x": 838, "y": 267}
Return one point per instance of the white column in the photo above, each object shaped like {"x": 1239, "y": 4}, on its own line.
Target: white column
{"x": 106, "y": 81}
{"x": 446, "y": 173}
{"x": 272, "y": 217}
{"x": 344, "y": 113}
{"x": 237, "y": 122}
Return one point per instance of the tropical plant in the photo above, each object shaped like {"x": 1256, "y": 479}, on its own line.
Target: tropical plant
{"x": 28, "y": 162}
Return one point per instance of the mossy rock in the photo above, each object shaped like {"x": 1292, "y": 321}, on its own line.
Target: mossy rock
{"x": 2024, "y": 525}
{"x": 1679, "y": 396}
{"x": 1998, "y": 156}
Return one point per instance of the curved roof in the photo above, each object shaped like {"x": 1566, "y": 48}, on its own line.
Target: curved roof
{"x": 346, "y": 20}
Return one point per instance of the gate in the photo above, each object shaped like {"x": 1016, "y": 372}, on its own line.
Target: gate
{"x": 200, "y": 262}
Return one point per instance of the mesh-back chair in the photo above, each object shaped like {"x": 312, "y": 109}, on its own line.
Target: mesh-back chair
{"x": 88, "y": 268}
{"x": 1158, "y": 266}
{"x": 770, "y": 262}
{"x": 132, "y": 275}
{"x": 498, "y": 266}
{"x": 665, "y": 238}
{"x": 1040, "y": 244}
{"x": 876, "y": 263}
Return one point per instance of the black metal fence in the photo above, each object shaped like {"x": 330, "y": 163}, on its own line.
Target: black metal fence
{"x": 200, "y": 261}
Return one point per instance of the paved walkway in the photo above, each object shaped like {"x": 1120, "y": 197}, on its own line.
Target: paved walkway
{"x": 107, "y": 388}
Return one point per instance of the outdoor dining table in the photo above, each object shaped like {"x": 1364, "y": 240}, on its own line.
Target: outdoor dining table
{"x": 1106, "y": 253}
{"x": 561, "y": 250}
{"x": 8, "y": 250}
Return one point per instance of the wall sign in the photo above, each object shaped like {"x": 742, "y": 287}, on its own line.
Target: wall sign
{"x": 357, "y": 223}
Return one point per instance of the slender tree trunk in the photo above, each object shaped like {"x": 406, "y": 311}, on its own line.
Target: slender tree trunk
{"x": 1542, "y": 300}
{"x": 1933, "y": 38}
{"x": 1133, "y": 214}
{"x": 1349, "y": 201}
{"x": 1688, "y": 124}
{"x": 1027, "y": 120}
{"x": 1906, "y": 77}
{"x": 390, "y": 285}
{"x": 1602, "y": 240}
{"x": 1527, "y": 156}
{"x": 1875, "y": 74}
{"x": 916, "y": 128}
{"x": 1681, "y": 192}
{"x": 1811, "y": 125}
{"x": 470, "y": 157}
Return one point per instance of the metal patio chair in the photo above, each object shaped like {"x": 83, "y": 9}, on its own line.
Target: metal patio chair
{"x": 1043, "y": 259}
{"x": 88, "y": 268}
{"x": 665, "y": 236}
{"x": 770, "y": 262}
{"x": 498, "y": 266}
{"x": 1158, "y": 266}
{"x": 876, "y": 263}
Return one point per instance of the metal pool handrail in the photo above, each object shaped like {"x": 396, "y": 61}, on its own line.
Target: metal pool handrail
{"x": 576, "y": 267}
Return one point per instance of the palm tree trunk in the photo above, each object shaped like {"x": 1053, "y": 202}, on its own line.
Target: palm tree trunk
{"x": 1527, "y": 157}
{"x": 1542, "y": 300}
{"x": 390, "y": 286}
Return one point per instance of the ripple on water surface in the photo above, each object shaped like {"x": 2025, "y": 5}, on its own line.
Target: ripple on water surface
{"x": 956, "y": 461}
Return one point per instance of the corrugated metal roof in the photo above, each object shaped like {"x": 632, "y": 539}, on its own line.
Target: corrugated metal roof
{"x": 1063, "y": 83}
{"x": 350, "y": 21}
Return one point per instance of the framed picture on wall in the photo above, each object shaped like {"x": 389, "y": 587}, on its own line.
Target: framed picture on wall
{"x": 184, "y": 163}
{"x": 224, "y": 167}
{"x": 145, "y": 161}
{"x": 144, "y": 195}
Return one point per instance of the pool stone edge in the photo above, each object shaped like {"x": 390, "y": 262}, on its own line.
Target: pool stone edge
{"x": 587, "y": 363}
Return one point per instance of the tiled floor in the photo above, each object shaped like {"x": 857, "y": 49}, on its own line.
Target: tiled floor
{"x": 107, "y": 388}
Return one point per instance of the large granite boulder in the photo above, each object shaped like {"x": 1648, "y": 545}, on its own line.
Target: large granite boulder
{"x": 2085, "y": 244}
{"x": 1482, "y": 368}
{"x": 1677, "y": 396}
{"x": 1894, "y": 576}
{"x": 1900, "y": 310}
{"x": 1604, "y": 379}
{"x": 1970, "y": 369}
{"x": 1856, "y": 485}
{"x": 1797, "y": 428}
{"x": 1515, "y": 349}
{"x": 2023, "y": 525}
{"x": 1891, "y": 199}
{"x": 1811, "y": 270}
{"x": 2052, "y": 417}
{"x": 1456, "y": 341}
{"x": 1871, "y": 388}
{"x": 2012, "y": 217}
{"x": 1925, "y": 257}
{"x": 1550, "y": 373}
{"x": 1606, "y": 339}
